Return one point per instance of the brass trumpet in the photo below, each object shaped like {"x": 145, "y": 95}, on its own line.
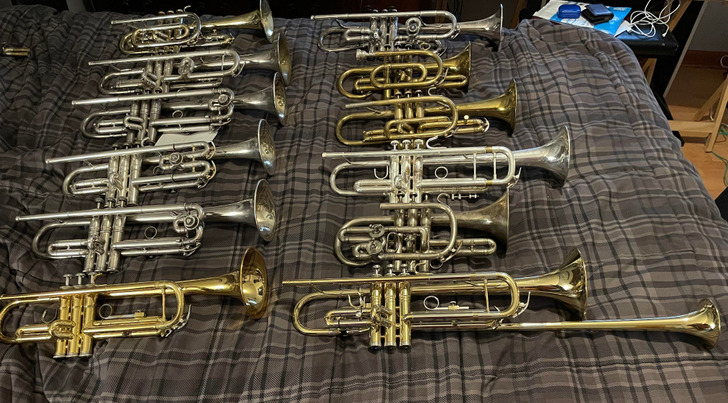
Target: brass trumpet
{"x": 183, "y": 29}
{"x": 384, "y": 32}
{"x": 104, "y": 246}
{"x": 384, "y": 309}
{"x": 410, "y": 118}
{"x": 400, "y": 71}
{"x": 77, "y": 327}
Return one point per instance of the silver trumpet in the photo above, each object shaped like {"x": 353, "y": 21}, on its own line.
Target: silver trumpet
{"x": 188, "y": 111}
{"x": 176, "y": 166}
{"x": 384, "y": 32}
{"x": 405, "y": 238}
{"x": 191, "y": 70}
{"x": 182, "y": 29}
{"x": 553, "y": 157}
{"x": 104, "y": 246}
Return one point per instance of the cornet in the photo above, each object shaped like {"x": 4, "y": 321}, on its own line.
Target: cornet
{"x": 411, "y": 118}
{"x": 172, "y": 31}
{"x": 104, "y": 246}
{"x": 192, "y": 70}
{"x": 176, "y": 166}
{"x": 189, "y": 111}
{"x": 381, "y": 306}
{"x": 384, "y": 33}
{"x": 400, "y": 71}
{"x": 81, "y": 319}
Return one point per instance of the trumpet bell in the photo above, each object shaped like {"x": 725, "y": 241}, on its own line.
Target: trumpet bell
{"x": 261, "y": 148}
{"x": 503, "y": 107}
{"x": 705, "y": 323}
{"x": 460, "y": 64}
{"x": 489, "y": 27}
{"x": 253, "y": 283}
{"x": 271, "y": 99}
{"x": 492, "y": 219}
{"x": 554, "y": 156}
{"x": 258, "y": 211}
{"x": 284, "y": 58}
{"x": 262, "y": 19}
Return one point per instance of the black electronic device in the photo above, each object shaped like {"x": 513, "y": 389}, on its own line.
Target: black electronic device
{"x": 597, "y": 13}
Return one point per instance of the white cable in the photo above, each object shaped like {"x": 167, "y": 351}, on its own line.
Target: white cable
{"x": 644, "y": 17}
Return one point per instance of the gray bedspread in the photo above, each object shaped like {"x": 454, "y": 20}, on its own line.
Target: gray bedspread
{"x": 652, "y": 237}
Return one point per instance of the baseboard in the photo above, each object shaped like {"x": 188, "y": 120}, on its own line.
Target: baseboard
{"x": 704, "y": 58}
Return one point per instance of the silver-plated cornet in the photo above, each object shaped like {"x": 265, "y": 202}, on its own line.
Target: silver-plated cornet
{"x": 172, "y": 31}
{"x": 176, "y": 166}
{"x": 105, "y": 245}
{"x": 191, "y": 70}
{"x": 188, "y": 111}
{"x": 383, "y": 31}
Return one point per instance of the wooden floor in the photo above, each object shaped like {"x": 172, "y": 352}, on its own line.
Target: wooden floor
{"x": 691, "y": 88}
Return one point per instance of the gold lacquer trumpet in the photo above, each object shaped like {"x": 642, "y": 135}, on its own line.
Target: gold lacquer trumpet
{"x": 385, "y": 314}
{"x": 80, "y": 320}
{"x": 410, "y": 117}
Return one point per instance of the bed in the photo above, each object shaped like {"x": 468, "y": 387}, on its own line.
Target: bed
{"x": 652, "y": 237}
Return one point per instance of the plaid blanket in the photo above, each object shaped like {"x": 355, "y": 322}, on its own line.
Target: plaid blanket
{"x": 652, "y": 237}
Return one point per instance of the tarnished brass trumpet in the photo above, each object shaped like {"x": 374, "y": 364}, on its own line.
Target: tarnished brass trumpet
{"x": 410, "y": 118}
{"x": 184, "y": 29}
{"x": 400, "y": 71}
{"x": 76, "y": 325}
{"x": 385, "y": 314}
{"x": 104, "y": 246}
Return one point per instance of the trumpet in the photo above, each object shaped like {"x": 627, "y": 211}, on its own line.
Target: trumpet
{"x": 82, "y": 319}
{"x": 384, "y": 33}
{"x": 104, "y": 246}
{"x": 400, "y": 71}
{"x": 404, "y": 237}
{"x": 192, "y": 70}
{"x": 176, "y": 166}
{"x": 407, "y": 164}
{"x": 190, "y": 111}
{"x": 410, "y": 118}
{"x": 172, "y": 31}
{"x": 384, "y": 307}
